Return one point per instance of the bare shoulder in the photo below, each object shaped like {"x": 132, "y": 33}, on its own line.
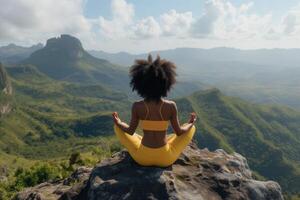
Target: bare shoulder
{"x": 137, "y": 104}
{"x": 137, "y": 108}
{"x": 170, "y": 104}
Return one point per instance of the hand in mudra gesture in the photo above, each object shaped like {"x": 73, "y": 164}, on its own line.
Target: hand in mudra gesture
{"x": 193, "y": 118}
{"x": 116, "y": 118}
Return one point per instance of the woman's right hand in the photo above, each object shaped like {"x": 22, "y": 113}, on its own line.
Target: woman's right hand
{"x": 193, "y": 118}
{"x": 116, "y": 118}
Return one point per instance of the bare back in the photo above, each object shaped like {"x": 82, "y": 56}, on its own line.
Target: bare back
{"x": 156, "y": 139}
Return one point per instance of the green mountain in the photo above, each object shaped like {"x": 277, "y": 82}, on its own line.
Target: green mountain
{"x": 56, "y": 115}
{"x": 64, "y": 58}
{"x": 50, "y": 116}
{"x": 49, "y": 113}
{"x": 268, "y": 136}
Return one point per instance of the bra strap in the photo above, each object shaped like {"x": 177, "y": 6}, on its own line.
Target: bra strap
{"x": 160, "y": 110}
{"x": 147, "y": 110}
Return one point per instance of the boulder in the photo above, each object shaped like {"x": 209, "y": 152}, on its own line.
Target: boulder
{"x": 197, "y": 174}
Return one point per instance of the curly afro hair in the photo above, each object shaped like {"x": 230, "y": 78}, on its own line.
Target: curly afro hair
{"x": 152, "y": 80}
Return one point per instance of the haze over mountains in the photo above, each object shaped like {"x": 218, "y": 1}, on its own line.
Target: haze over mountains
{"x": 276, "y": 57}
{"x": 261, "y": 76}
{"x": 12, "y": 53}
{"x": 63, "y": 98}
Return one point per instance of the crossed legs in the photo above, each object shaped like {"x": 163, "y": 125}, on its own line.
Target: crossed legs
{"x": 177, "y": 143}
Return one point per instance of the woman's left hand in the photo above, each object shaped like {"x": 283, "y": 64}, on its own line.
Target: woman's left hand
{"x": 116, "y": 118}
{"x": 193, "y": 118}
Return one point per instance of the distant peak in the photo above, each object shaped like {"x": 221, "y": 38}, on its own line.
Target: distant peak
{"x": 66, "y": 41}
{"x": 39, "y": 45}
{"x": 208, "y": 92}
{"x": 11, "y": 45}
{"x": 214, "y": 91}
{"x": 65, "y": 45}
{"x": 14, "y": 46}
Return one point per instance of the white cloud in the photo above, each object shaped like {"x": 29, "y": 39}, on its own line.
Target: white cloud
{"x": 221, "y": 23}
{"x": 122, "y": 11}
{"x": 291, "y": 22}
{"x": 222, "y": 20}
{"x": 123, "y": 25}
{"x": 174, "y": 23}
{"x": 20, "y": 19}
{"x": 147, "y": 28}
{"x": 205, "y": 25}
{"x": 122, "y": 19}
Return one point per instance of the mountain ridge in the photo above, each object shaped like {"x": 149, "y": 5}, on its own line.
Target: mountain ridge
{"x": 266, "y": 135}
{"x": 218, "y": 53}
{"x": 12, "y": 54}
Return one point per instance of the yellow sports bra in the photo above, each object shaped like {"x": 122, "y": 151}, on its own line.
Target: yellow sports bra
{"x": 154, "y": 125}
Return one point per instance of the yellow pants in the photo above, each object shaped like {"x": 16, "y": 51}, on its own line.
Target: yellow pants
{"x": 162, "y": 156}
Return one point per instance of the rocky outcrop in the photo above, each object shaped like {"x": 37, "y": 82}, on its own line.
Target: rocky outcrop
{"x": 5, "y": 85}
{"x": 197, "y": 174}
{"x": 5, "y": 92}
{"x": 3, "y": 173}
{"x": 65, "y": 44}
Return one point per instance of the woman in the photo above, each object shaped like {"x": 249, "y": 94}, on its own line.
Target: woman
{"x": 152, "y": 81}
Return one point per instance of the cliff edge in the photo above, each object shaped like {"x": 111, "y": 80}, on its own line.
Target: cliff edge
{"x": 5, "y": 92}
{"x": 197, "y": 174}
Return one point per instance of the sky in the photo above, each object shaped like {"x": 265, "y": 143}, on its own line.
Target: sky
{"x": 139, "y": 26}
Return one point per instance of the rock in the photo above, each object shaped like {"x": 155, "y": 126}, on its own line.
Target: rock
{"x": 3, "y": 173}
{"x": 5, "y": 85}
{"x": 197, "y": 174}
{"x": 5, "y": 92}
{"x": 67, "y": 45}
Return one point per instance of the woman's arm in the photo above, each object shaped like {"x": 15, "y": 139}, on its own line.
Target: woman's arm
{"x": 130, "y": 129}
{"x": 179, "y": 130}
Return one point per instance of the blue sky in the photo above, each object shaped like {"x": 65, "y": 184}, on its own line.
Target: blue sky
{"x": 94, "y": 8}
{"x": 143, "y": 8}
{"x": 143, "y": 25}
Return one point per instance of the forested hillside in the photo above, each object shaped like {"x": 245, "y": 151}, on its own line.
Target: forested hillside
{"x": 269, "y": 136}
